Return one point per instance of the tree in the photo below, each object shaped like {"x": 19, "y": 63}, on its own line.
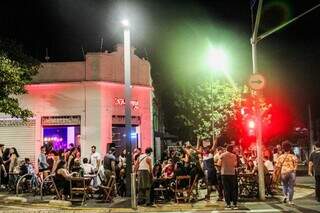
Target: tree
{"x": 209, "y": 101}
{"x": 16, "y": 70}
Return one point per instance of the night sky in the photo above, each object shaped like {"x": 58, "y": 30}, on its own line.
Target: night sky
{"x": 170, "y": 34}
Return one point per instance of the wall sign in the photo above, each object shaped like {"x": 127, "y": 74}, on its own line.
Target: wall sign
{"x": 122, "y": 102}
{"x": 120, "y": 119}
{"x": 60, "y": 120}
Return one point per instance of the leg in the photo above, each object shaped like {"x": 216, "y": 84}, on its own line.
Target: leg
{"x": 226, "y": 189}
{"x": 291, "y": 182}
{"x": 284, "y": 181}
{"x": 317, "y": 178}
{"x": 234, "y": 185}
{"x": 220, "y": 187}
{"x": 148, "y": 198}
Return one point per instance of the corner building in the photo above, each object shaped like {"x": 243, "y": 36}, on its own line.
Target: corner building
{"x": 83, "y": 103}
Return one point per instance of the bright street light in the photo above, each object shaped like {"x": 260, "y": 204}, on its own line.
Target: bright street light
{"x": 218, "y": 59}
{"x": 125, "y": 23}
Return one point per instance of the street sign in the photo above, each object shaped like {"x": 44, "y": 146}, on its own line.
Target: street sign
{"x": 257, "y": 82}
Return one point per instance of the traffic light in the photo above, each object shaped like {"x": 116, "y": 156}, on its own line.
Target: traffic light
{"x": 251, "y": 127}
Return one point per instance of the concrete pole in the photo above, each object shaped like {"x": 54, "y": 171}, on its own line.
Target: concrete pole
{"x": 310, "y": 130}
{"x": 127, "y": 79}
{"x": 258, "y": 112}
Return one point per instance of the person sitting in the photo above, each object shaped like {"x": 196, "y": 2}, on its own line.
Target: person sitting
{"x": 32, "y": 173}
{"x": 62, "y": 177}
{"x": 168, "y": 170}
{"x": 88, "y": 169}
{"x": 251, "y": 168}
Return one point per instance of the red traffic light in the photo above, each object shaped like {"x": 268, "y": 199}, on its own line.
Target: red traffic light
{"x": 251, "y": 124}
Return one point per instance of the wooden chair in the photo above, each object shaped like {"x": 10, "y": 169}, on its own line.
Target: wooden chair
{"x": 182, "y": 189}
{"x": 194, "y": 189}
{"x": 79, "y": 186}
{"x": 108, "y": 189}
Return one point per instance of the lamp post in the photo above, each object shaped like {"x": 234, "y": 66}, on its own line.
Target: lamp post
{"x": 127, "y": 80}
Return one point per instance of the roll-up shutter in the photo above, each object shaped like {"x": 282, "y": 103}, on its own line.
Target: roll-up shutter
{"x": 21, "y": 135}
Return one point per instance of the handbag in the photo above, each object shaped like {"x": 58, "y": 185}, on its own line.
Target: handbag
{"x": 277, "y": 172}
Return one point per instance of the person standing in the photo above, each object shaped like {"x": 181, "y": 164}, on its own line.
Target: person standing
{"x": 143, "y": 167}
{"x": 109, "y": 163}
{"x": 288, "y": 164}
{"x": 1, "y": 150}
{"x": 228, "y": 164}
{"x": 43, "y": 165}
{"x": 95, "y": 158}
{"x": 218, "y": 168}
{"x": 314, "y": 168}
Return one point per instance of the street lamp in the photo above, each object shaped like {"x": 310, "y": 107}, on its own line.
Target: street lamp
{"x": 217, "y": 59}
{"x": 127, "y": 79}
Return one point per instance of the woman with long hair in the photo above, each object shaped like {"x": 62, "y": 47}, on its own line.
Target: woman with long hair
{"x": 62, "y": 177}
{"x": 13, "y": 167}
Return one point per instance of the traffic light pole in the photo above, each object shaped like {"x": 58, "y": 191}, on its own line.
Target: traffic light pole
{"x": 254, "y": 41}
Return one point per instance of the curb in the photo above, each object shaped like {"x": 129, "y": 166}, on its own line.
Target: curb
{"x": 60, "y": 203}
{"x": 7, "y": 200}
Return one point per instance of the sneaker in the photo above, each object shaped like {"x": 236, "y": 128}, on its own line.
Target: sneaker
{"x": 235, "y": 207}
{"x": 291, "y": 203}
{"x": 285, "y": 200}
{"x": 227, "y": 207}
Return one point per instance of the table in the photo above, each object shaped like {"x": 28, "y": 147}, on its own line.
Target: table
{"x": 80, "y": 185}
{"x": 248, "y": 185}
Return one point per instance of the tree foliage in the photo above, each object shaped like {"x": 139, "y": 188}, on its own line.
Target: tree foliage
{"x": 16, "y": 70}
{"x": 208, "y": 102}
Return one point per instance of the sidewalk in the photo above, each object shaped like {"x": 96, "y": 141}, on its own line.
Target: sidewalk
{"x": 304, "y": 193}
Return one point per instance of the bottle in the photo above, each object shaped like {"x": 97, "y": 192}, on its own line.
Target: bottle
{"x": 81, "y": 172}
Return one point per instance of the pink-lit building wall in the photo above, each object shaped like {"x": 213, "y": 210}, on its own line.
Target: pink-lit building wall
{"x": 90, "y": 89}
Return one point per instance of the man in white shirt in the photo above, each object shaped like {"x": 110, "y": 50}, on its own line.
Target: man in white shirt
{"x": 95, "y": 158}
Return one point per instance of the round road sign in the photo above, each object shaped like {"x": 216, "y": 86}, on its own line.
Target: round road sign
{"x": 257, "y": 82}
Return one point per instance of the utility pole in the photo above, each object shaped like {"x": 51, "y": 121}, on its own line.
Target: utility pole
{"x": 254, "y": 40}
{"x": 310, "y": 130}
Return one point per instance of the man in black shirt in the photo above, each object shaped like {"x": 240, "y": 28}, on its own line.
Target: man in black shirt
{"x": 314, "y": 164}
{"x": 109, "y": 163}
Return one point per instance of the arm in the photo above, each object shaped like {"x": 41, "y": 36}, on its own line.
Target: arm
{"x": 136, "y": 165}
{"x": 310, "y": 168}
{"x": 214, "y": 145}
{"x": 12, "y": 162}
{"x": 69, "y": 162}
{"x": 198, "y": 143}
{"x": 113, "y": 166}
{"x": 148, "y": 160}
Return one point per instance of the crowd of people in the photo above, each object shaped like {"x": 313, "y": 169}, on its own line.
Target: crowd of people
{"x": 207, "y": 165}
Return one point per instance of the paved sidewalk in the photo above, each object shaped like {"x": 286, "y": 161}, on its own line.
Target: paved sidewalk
{"x": 304, "y": 199}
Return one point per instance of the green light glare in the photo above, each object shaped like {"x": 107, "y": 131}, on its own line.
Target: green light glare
{"x": 188, "y": 46}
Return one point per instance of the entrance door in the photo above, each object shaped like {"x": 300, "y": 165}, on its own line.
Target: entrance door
{"x": 119, "y": 137}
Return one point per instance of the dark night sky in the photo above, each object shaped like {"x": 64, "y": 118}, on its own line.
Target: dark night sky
{"x": 289, "y": 59}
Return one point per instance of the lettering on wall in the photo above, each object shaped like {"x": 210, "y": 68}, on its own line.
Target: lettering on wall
{"x": 122, "y": 102}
